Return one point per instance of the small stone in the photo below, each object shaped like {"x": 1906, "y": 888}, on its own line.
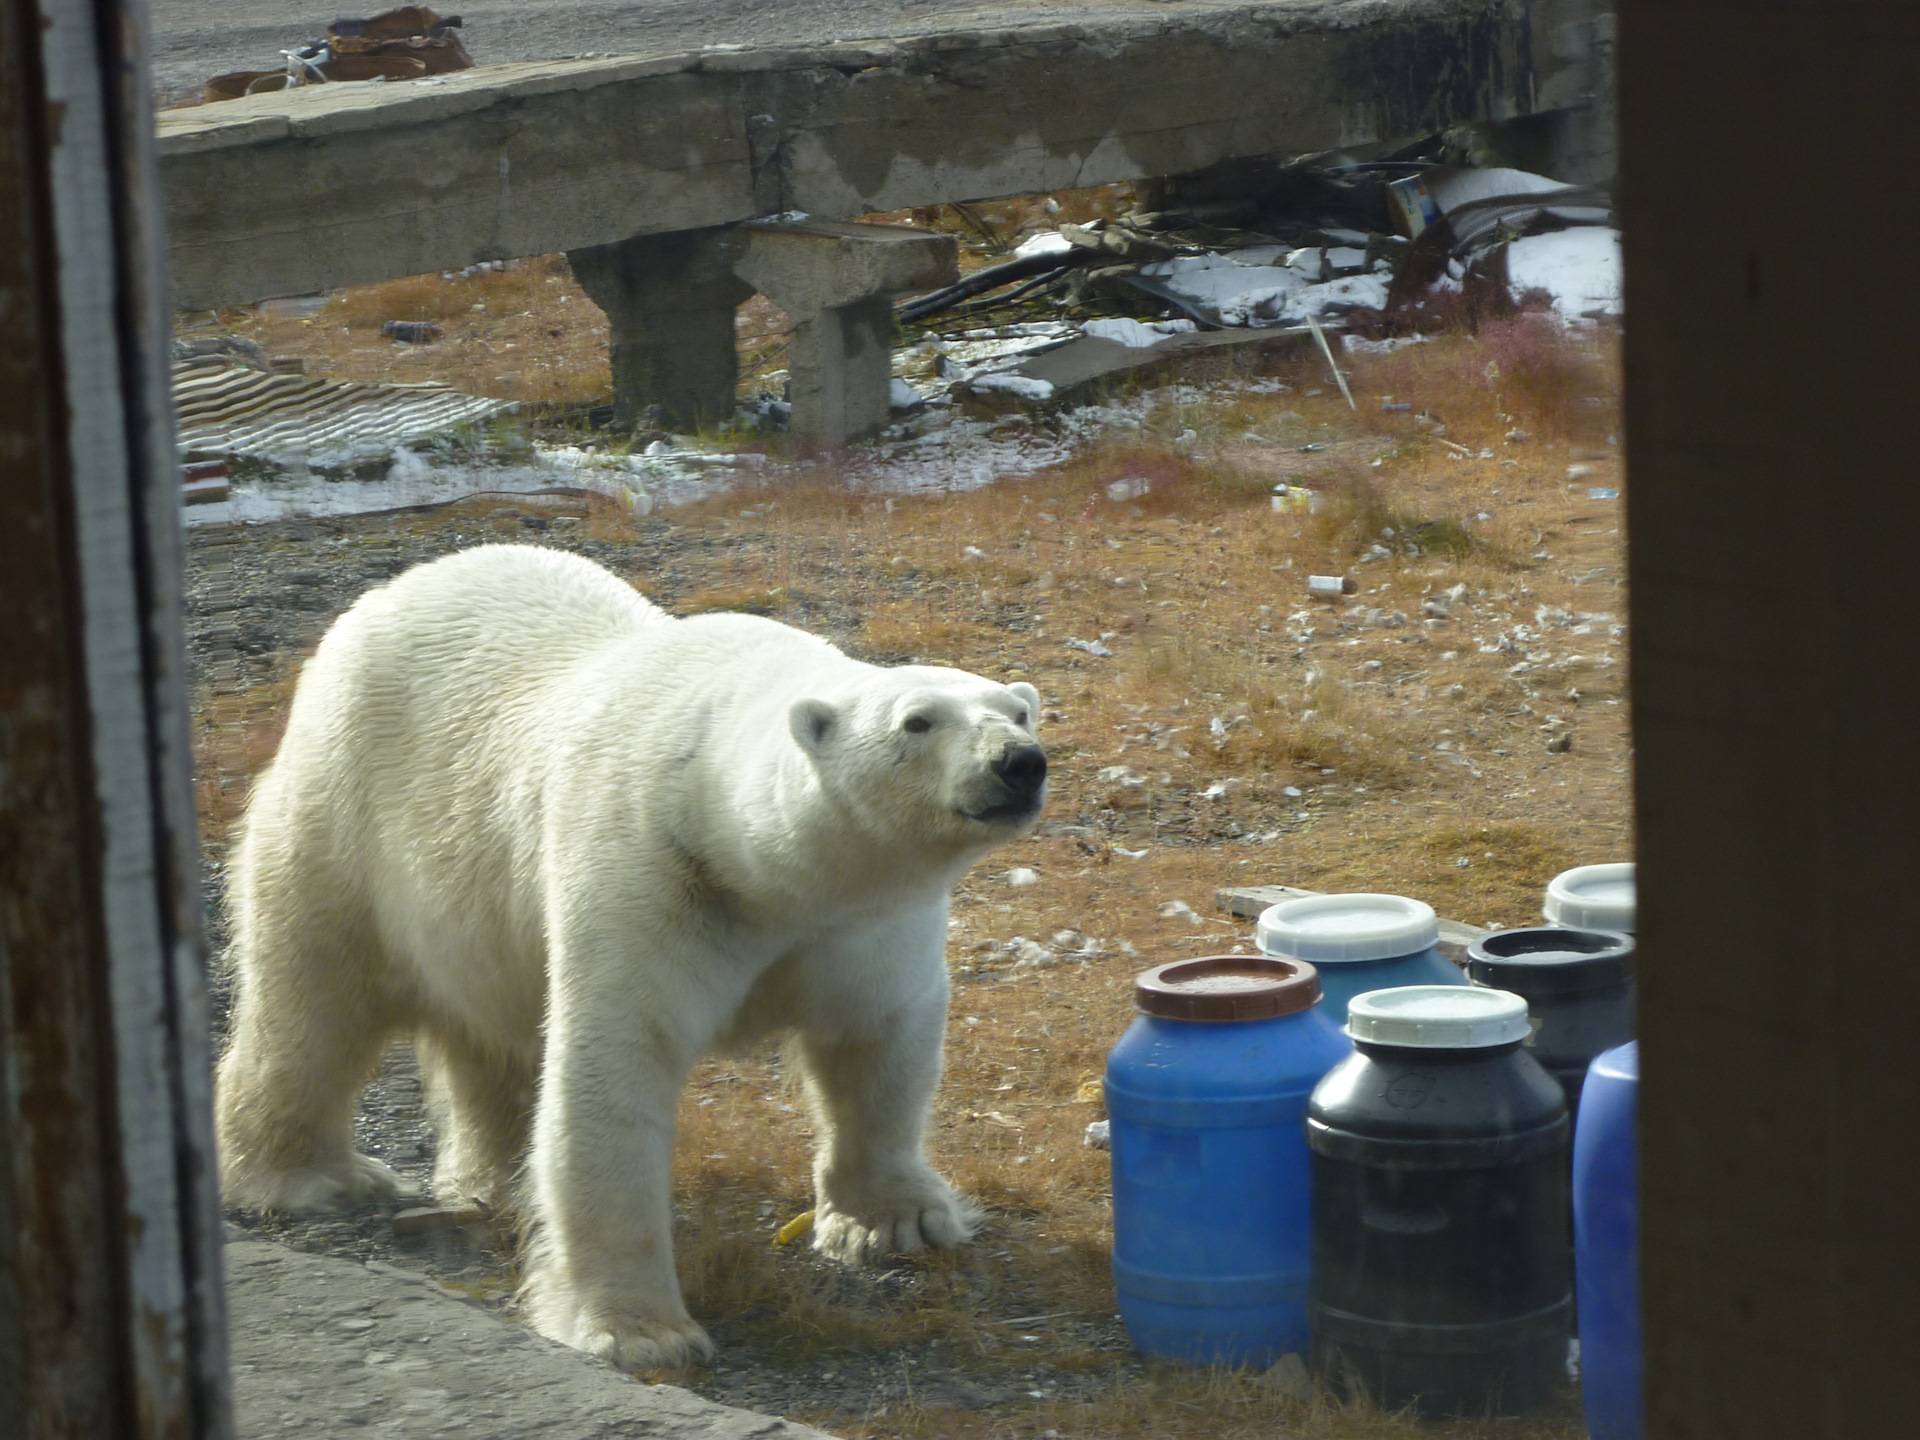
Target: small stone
{"x": 1288, "y": 1376}
{"x": 1561, "y": 743}
{"x": 356, "y": 1327}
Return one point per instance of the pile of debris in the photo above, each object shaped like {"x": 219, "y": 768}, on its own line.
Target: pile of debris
{"x": 1380, "y": 248}
{"x": 404, "y": 44}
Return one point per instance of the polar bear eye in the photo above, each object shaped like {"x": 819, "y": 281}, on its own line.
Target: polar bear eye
{"x": 1021, "y": 719}
{"x": 917, "y": 725}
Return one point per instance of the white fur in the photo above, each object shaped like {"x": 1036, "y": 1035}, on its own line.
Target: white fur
{"x": 569, "y": 845}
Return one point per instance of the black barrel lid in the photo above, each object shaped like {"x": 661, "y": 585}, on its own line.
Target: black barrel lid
{"x": 1227, "y": 987}
{"x": 1551, "y": 960}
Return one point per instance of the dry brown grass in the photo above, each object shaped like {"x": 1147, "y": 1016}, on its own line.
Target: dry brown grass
{"x": 524, "y": 332}
{"x": 1177, "y": 581}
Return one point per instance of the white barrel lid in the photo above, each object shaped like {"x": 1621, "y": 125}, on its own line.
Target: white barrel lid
{"x": 1327, "y": 929}
{"x": 1438, "y": 1017}
{"x": 1592, "y": 897}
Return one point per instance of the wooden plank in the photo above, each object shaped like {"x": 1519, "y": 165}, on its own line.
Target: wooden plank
{"x": 1247, "y": 901}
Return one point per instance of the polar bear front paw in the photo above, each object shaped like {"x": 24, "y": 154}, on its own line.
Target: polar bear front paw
{"x": 867, "y": 1230}
{"x": 651, "y": 1344}
{"x": 314, "y": 1187}
{"x": 627, "y": 1341}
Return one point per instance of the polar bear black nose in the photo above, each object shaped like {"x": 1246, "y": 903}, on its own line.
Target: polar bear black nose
{"x": 1022, "y": 769}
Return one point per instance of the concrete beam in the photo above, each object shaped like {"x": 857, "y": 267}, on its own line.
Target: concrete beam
{"x": 836, "y": 281}
{"x": 344, "y": 184}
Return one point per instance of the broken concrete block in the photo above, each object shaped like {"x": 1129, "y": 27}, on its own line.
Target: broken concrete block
{"x": 837, "y": 281}
{"x": 669, "y": 301}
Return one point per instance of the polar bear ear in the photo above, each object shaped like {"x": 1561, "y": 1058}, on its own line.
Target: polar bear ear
{"x": 1030, "y": 698}
{"x": 812, "y": 721}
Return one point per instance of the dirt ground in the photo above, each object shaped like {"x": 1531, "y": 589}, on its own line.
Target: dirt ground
{"x": 1455, "y": 730}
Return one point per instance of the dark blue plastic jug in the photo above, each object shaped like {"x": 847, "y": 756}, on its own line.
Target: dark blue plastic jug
{"x": 1606, "y": 1246}
{"x": 1440, "y": 1258}
{"x": 1358, "y": 943}
{"x": 1578, "y": 985}
{"x": 1207, "y": 1099}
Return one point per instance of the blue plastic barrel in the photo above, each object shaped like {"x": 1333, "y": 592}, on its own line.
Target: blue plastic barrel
{"x": 1606, "y": 1246}
{"x": 1358, "y": 943}
{"x": 1207, "y": 1099}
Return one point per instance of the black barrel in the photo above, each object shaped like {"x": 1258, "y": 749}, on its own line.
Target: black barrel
{"x": 1578, "y": 985}
{"x": 1438, "y": 1176}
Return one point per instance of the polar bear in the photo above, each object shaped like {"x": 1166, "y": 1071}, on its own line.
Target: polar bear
{"x": 568, "y": 845}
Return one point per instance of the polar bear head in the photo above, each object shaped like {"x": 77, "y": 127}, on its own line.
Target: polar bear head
{"x": 925, "y": 755}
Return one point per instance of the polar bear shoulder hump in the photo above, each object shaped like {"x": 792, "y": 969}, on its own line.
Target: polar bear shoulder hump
{"x": 524, "y": 580}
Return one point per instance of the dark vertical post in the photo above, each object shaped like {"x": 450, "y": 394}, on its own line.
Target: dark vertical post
{"x": 111, "y": 1306}
{"x": 1771, "y": 403}
{"x": 669, "y": 301}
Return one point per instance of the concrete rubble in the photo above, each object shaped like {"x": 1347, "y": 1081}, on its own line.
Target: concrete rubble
{"x": 324, "y": 1348}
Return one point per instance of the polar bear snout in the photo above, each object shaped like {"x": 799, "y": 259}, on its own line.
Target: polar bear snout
{"x": 1016, "y": 789}
{"x": 1023, "y": 770}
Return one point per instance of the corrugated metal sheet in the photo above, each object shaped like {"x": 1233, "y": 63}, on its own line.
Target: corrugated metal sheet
{"x": 233, "y": 410}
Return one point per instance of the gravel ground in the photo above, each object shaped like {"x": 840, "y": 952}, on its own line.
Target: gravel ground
{"x": 258, "y": 597}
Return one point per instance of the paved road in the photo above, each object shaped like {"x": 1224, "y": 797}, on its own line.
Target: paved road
{"x": 194, "y": 39}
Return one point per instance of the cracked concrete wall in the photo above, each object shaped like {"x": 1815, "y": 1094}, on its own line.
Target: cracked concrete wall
{"x": 335, "y": 185}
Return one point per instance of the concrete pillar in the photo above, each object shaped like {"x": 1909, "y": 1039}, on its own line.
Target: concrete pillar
{"x": 837, "y": 281}
{"x": 669, "y": 301}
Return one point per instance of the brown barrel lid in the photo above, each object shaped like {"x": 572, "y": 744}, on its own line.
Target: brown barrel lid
{"x": 1227, "y": 987}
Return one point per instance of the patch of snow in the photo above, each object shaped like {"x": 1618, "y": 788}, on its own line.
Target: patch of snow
{"x": 1580, "y": 268}
{"x": 1136, "y": 334}
{"x": 1463, "y": 187}
{"x": 901, "y": 395}
{"x": 1019, "y": 385}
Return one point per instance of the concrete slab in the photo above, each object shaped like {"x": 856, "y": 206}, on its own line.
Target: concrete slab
{"x": 1091, "y": 359}
{"x": 325, "y": 1348}
{"x": 308, "y": 190}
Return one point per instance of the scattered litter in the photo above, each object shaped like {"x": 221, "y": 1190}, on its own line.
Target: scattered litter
{"x": 1092, "y": 647}
{"x": 796, "y": 1227}
{"x": 409, "y": 43}
{"x": 1178, "y": 910}
{"x": 1021, "y": 877}
{"x": 1099, "y": 1135}
{"x": 1603, "y": 492}
{"x": 1131, "y": 855}
{"x": 1120, "y": 775}
{"x": 1331, "y": 587}
{"x": 1130, "y": 488}
{"x": 411, "y": 332}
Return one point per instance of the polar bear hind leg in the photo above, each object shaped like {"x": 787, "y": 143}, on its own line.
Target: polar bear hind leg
{"x": 481, "y": 1100}
{"x": 304, "y": 1046}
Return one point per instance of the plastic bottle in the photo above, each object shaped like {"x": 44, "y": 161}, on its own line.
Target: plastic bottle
{"x": 1578, "y": 985}
{"x": 1591, "y": 897}
{"x": 1358, "y": 943}
{"x": 1606, "y": 1247}
{"x": 1207, "y": 1097}
{"x": 1441, "y": 1273}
